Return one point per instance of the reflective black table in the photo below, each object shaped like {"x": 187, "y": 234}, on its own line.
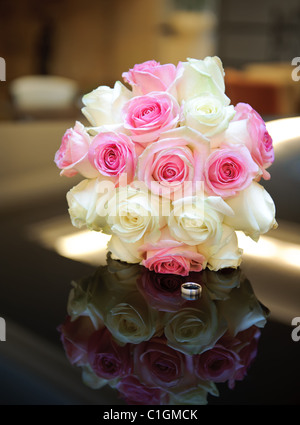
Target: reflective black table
{"x": 53, "y": 333}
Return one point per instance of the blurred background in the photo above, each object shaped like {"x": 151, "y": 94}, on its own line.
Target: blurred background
{"x": 54, "y": 51}
{"x": 57, "y": 50}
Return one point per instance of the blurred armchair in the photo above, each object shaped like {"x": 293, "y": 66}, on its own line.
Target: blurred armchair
{"x": 268, "y": 88}
{"x": 44, "y": 97}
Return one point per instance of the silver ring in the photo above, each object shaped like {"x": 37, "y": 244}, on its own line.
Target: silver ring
{"x": 191, "y": 290}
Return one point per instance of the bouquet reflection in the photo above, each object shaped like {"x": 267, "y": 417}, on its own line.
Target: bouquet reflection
{"x": 131, "y": 329}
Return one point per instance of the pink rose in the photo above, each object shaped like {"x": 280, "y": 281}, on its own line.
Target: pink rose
{"x": 247, "y": 350}
{"x": 72, "y": 156}
{"x": 158, "y": 365}
{"x": 229, "y": 170}
{"x": 218, "y": 364}
{"x": 172, "y": 257}
{"x": 229, "y": 360}
{"x": 174, "y": 164}
{"x": 107, "y": 359}
{"x": 242, "y": 348}
{"x": 146, "y": 117}
{"x": 113, "y": 154}
{"x": 261, "y": 147}
{"x": 74, "y": 336}
{"x": 136, "y": 393}
{"x": 161, "y": 291}
{"x": 150, "y": 76}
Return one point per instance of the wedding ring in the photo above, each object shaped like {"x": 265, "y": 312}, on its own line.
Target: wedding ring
{"x": 191, "y": 290}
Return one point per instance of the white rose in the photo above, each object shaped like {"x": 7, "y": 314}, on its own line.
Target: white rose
{"x": 254, "y": 211}
{"x": 224, "y": 254}
{"x": 131, "y": 320}
{"x": 236, "y": 133}
{"x": 103, "y": 105}
{"x": 122, "y": 275}
{"x": 122, "y": 251}
{"x": 195, "y": 329}
{"x": 193, "y": 396}
{"x": 134, "y": 213}
{"x": 221, "y": 284}
{"x": 83, "y": 200}
{"x": 195, "y": 219}
{"x": 90, "y": 379}
{"x": 81, "y": 301}
{"x": 207, "y": 114}
{"x": 202, "y": 76}
{"x": 242, "y": 309}
{"x": 78, "y": 301}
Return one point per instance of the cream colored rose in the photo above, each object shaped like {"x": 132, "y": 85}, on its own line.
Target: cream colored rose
{"x": 122, "y": 275}
{"x": 84, "y": 199}
{"x": 242, "y": 309}
{"x": 193, "y": 396}
{"x": 220, "y": 285}
{"x": 195, "y": 219}
{"x": 193, "y": 330}
{"x": 207, "y": 114}
{"x": 90, "y": 379}
{"x": 134, "y": 213}
{"x": 103, "y": 105}
{"x": 78, "y": 300}
{"x": 224, "y": 254}
{"x": 236, "y": 133}
{"x": 202, "y": 76}
{"x": 81, "y": 301}
{"x": 254, "y": 211}
{"x": 131, "y": 320}
{"x": 124, "y": 251}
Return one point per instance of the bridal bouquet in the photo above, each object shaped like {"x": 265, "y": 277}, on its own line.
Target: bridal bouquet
{"x": 170, "y": 168}
{"x": 130, "y": 329}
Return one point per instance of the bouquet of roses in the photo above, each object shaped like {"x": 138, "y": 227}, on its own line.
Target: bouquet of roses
{"x": 171, "y": 169}
{"x": 130, "y": 329}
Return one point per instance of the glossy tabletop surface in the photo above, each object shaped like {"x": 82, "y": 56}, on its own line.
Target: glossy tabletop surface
{"x": 247, "y": 314}
{"x": 83, "y": 330}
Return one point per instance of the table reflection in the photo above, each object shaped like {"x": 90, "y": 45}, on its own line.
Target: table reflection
{"x": 132, "y": 329}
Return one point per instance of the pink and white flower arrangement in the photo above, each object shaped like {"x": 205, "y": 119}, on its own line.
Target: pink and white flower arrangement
{"x": 129, "y": 329}
{"x": 171, "y": 169}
